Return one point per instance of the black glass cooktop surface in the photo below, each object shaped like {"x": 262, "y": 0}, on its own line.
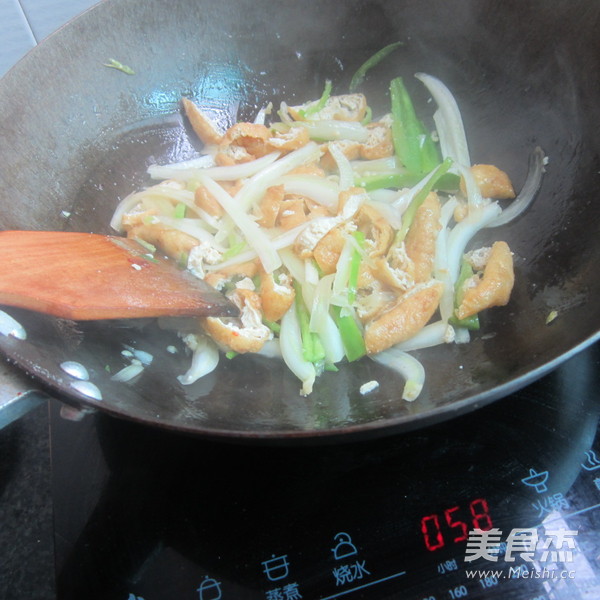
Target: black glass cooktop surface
{"x": 501, "y": 503}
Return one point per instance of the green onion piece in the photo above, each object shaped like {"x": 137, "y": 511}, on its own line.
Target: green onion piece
{"x": 272, "y": 325}
{"x": 231, "y": 354}
{"x": 182, "y": 260}
{"x": 354, "y": 344}
{"x": 449, "y": 182}
{"x": 355, "y": 261}
{"x": 409, "y": 214}
{"x": 115, "y": 64}
{"x": 179, "y": 211}
{"x": 358, "y": 77}
{"x": 471, "y": 322}
{"x": 331, "y": 368}
{"x": 151, "y": 248}
{"x": 233, "y": 250}
{"x": 315, "y": 108}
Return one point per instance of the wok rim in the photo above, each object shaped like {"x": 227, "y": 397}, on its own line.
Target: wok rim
{"x": 346, "y": 433}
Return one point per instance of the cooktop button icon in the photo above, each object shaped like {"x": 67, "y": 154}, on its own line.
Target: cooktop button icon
{"x": 344, "y": 547}
{"x": 209, "y": 589}
{"x": 277, "y": 567}
{"x": 592, "y": 463}
{"x": 537, "y": 480}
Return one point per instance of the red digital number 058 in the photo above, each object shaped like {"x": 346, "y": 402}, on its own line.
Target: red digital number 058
{"x": 432, "y": 525}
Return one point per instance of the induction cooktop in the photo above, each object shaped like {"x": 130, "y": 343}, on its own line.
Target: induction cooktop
{"x": 501, "y": 503}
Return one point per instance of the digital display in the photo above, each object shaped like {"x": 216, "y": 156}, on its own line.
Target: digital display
{"x": 453, "y": 524}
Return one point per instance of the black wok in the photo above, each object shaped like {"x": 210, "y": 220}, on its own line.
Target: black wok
{"x": 77, "y": 136}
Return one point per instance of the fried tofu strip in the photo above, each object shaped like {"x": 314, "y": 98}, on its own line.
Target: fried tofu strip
{"x": 495, "y": 285}
{"x": 409, "y": 314}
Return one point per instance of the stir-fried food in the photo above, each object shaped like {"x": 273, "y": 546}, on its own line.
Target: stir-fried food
{"x": 338, "y": 235}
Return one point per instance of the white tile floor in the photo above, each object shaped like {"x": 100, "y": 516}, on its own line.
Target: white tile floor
{"x": 24, "y": 23}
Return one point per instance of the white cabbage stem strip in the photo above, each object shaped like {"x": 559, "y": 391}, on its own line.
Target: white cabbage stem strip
{"x": 342, "y": 271}
{"x": 278, "y": 242}
{"x": 252, "y": 233}
{"x": 124, "y": 206}
{"x": 261, "y": 115}
{"x": 255, "y": 187}
{"x": 408, "y": 367}
{"x": 271, "y": 349}
{"x": 190, "y": 227}
{"x": 344, "y": 167}
{"x": 431, "y": 335}
{"x": 375, "y": 166}
{"x": 440, "y": 264}
{"x": 462, "y": 233}
{"x": 453, "y": 129}
{"x": 474, "y": 198}
{"x": 205, "y": 359}
{"x": 331, "y": 340}
{"x": 321, "y": 302}
{"x": 335, "y": 130}
{"x": 528, "y": 191}
{"x": 230, "y": 173}
{"x": 385, "y": 196}
{"x": 294, "y": 265}
{"x": 290, "y": 342}
{"x": 128, "y": 373}
{"x": 323, "y": 191}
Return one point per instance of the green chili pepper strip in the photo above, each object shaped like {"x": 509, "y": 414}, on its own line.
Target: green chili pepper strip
{"x": 352, "y": 339}
{"x": 359, "y": 76}
{"x": 471, "y": 322}
{"x": 409, "y": 214}
{"x": 315, "y": 108}
{"x": 430, "y": 156}
{"x": 355, "y": 261}
{"x": 448, "y": 182}
{"x": 312, "y": 349}
{"x": 406, "y": 128}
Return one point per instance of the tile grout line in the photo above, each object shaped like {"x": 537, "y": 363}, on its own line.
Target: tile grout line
{"x": 28, "y": 23}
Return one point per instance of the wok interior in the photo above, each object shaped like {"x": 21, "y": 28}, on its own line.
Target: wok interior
{"x": 523, "y": 76}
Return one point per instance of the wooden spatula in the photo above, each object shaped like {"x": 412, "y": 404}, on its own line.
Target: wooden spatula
{"x": 85, "y": 276}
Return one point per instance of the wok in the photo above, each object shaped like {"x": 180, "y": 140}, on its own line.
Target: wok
{"x": 77, "y": 136}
